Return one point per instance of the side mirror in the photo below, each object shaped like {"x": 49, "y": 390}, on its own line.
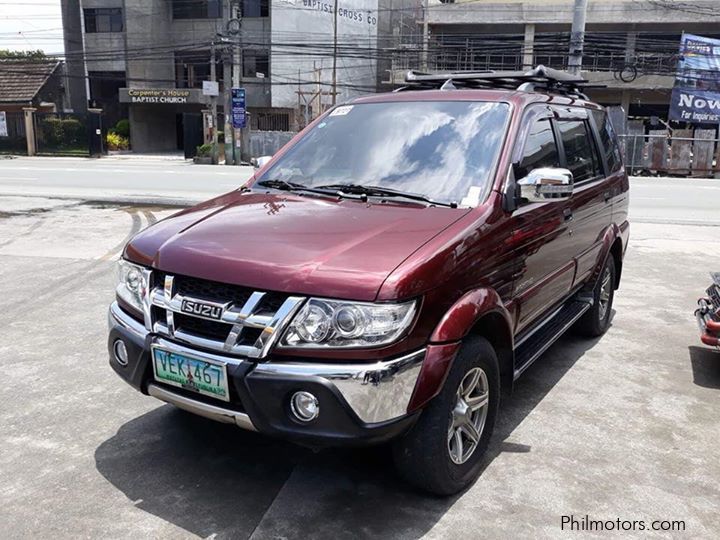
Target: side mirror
{"x": 261, "y": 161}
{"x": 546, "y": 185}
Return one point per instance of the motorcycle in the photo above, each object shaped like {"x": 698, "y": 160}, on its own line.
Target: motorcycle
{"x": 708, "y": 313}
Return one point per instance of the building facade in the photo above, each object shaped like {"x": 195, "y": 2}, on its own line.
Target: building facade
{"x": 631, "y": 46}
{"x": 146, "y": 60}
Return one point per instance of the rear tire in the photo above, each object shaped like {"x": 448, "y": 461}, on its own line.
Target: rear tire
{"x": 443, "y": 452}
{"x": 596, "y": 320}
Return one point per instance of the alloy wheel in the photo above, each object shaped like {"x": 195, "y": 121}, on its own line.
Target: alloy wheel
{"x": 467, "y": 419}
{"x": 605, "y": 293}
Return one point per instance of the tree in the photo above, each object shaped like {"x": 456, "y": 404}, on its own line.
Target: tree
{"x": 7, "y": 54}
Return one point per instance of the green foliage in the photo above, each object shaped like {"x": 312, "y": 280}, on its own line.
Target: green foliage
{"x": 23, "y": 55}
{"x": 115, "y": 141}
{"x": 122, "y": 128}
{"x": 63, "y": 132}
{"x": 204, "y": 150}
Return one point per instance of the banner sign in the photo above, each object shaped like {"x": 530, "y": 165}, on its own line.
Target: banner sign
{"x": 238, "y": 107}
{"x": 696, "y": 94}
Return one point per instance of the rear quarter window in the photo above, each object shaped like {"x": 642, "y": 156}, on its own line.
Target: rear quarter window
{"x": 608, "y": 141}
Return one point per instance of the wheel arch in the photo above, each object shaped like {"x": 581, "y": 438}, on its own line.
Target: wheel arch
{"x": 612, "y": 245}
{"x": 480, "y": 312}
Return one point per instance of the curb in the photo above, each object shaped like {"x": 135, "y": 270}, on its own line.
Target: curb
{"x": 140, "y": 200}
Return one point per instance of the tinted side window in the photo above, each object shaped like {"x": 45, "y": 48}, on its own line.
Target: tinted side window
{"x": 579, "y": 149}
{"x": 540, "y": 149}
{"x": 608, "y": 140}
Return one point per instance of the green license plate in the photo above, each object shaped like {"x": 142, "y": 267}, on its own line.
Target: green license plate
{"x": 190, "y": 373}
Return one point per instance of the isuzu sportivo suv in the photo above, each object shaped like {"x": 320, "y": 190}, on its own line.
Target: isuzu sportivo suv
{"x": 388, "y": 273}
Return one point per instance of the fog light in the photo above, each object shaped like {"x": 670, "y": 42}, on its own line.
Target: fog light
{"x": 304, "y": 406}
{"x": 120, "y": 351}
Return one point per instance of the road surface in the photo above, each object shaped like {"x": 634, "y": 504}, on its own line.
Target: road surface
{"x": 653, "y": 200}
{"x": 619, "y": 427}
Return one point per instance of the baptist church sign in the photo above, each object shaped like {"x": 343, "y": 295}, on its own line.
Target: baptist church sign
{"x": 163, "y": 96}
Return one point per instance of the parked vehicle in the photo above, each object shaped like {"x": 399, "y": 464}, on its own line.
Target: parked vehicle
{"x": 708, "y": 313}
{"x": 390, "y": 271}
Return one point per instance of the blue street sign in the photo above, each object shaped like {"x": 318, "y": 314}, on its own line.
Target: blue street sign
{"x": 238, "y": 107}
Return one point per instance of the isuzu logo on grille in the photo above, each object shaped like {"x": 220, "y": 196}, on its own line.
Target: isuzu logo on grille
{"x": 201, "y": 309}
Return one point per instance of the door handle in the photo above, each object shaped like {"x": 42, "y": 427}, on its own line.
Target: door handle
{"x": 607, "y": 195}
{"x": 567, "y": 214}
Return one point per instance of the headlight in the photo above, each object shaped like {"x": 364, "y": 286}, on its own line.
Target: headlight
{"x": 338, "y": 323}
{"x": 133, "y": 281}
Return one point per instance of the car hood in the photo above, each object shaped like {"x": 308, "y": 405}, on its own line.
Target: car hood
{"x": 285, "y": 242}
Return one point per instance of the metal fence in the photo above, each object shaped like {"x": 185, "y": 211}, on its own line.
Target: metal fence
{"x": 62, "y": 134}
{"x": 14, "y": 142}
{"x": 265, "y": 143}
{"x": 680, "y": 152}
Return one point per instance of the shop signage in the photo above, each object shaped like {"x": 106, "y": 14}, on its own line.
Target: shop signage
{"x": 696, "y": 95}
{"x": 238, "y": 108}
{"x": 162, "y": 96}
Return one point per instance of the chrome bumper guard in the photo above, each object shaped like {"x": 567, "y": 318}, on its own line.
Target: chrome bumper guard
{"x": 376, "y": 392}
{"x": 219, "y": 414}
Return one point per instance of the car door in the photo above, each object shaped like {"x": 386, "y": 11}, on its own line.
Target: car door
{"x": 590, "y": 207}
{"x": 541, "y": 238}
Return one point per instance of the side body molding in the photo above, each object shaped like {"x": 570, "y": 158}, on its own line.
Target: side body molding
{"x": 445, "y": 340}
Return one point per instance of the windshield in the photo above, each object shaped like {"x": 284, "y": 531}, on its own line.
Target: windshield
{"x": 444, "y": 150}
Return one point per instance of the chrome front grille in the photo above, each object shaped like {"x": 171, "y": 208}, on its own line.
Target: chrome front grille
{"x": 237, "y": 321}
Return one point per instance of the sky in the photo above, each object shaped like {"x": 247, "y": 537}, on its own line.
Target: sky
{"x": 31, "y": 24}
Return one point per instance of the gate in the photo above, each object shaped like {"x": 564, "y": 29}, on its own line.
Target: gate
{"x": 14, "y": 142}
{"x": 63, "y": 134}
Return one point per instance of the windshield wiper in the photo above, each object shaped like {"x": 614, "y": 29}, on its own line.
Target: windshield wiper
{"x": 284, "y": 185}
{"x": 379, "y": 191}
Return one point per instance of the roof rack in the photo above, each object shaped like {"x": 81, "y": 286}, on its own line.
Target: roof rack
{"x": 540, "y": 78}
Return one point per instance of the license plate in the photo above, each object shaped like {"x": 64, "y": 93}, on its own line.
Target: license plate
{"x": 201, "y": 376}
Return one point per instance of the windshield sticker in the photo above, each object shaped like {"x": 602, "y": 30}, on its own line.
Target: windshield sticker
{"x": 342, "y": 111}
{"x": 321, "y": 125}
{"x": 472, "y": 198}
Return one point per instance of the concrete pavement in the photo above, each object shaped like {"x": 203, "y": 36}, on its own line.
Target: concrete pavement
{"x": 620, "y": 427}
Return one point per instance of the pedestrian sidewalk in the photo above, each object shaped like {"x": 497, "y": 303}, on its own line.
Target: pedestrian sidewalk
{"x": 161, "y": 156}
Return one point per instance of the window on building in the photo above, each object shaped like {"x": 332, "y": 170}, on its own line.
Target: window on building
{"x": 580, "y": 154}
{"x": 540, "y": 149}
{"x": 103, "y": 20}
{"x": 197, "y": 9}
{"x": 255, "y": 8}
{"x": 254, "y": 63}
{"x": 193, "y": 67}
{"x": 608, "y": 140}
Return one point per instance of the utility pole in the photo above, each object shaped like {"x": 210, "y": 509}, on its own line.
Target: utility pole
{"x": 213, "y": 105}
{"x": 334, "y": 64}
{"x": 425, "y": 38}
{"x": 227, "y": 83}
{"x": 237, "y": 67}
{"x": 577, "y": 37}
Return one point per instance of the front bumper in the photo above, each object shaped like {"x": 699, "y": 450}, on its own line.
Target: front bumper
{"x": 359, "y": 403}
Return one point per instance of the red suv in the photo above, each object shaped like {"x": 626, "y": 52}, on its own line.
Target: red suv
{"x": 391, "y": 270}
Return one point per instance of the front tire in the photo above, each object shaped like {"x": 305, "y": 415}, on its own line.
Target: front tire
{"x": 443, "y": 452}
{"x": 596, "y": 320}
